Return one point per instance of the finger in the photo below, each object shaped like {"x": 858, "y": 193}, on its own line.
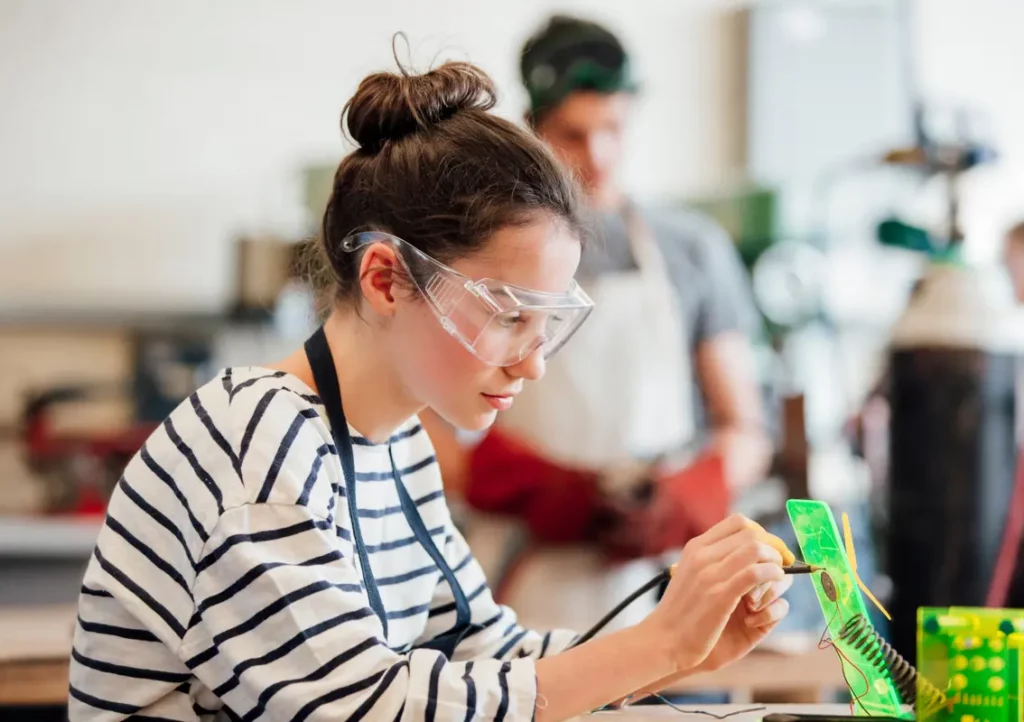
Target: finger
{"x": 765, "y": 594}
{"x": 775, "y": 542}
{"x": 746, "y": 579}
{"x": 744, "y": 550}
{"x": 754, "y": 598}
{"x": 745, "y": 537}
{"x": 769, "y": 616}
{"x": 724, "y": 529}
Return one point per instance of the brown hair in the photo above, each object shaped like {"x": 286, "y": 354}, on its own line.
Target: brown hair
{"x": 437, "y": 169}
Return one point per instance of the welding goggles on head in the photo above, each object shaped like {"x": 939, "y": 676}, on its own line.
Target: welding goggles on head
{"x": 501, "y": 324}
{"x": 571, "y": 55}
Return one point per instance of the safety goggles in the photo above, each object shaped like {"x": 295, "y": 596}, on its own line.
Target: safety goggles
{"x": 591, "y": 64}
{"x": 501, "y": 324}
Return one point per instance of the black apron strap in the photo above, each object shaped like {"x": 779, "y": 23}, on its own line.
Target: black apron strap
{"x": 419, "y": 529}
{"x": 322, "y": 364}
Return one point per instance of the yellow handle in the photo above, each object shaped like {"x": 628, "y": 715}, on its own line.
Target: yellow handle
{"x": 771, "y": 540}
{"x": 774, "y": 542}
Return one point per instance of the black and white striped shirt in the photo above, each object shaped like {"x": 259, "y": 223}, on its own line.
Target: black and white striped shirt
{"x": 225, "y": 582}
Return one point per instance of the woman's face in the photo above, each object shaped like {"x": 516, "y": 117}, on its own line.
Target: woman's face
{"x": 437, "y": 370}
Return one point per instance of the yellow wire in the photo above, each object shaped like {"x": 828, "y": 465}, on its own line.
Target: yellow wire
{"x": 852, "y": 555}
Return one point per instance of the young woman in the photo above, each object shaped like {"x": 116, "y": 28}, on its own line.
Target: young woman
{"x": 274, "y": 554}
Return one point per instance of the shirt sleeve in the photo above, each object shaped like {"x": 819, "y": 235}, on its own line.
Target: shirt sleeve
{"x": 283, "y": 630}
{"x": 494, "y": 632}
{"x": 727, "y": 303}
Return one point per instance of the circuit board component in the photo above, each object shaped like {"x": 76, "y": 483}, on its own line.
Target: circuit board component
{"x": 974, "y": 655}
{"x": 867, "y": 675}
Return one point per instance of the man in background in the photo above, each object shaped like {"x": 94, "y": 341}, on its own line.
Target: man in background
{"x": 648, "y": 425}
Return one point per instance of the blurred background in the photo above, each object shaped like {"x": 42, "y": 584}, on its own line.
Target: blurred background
{"x": 162, "y": 160}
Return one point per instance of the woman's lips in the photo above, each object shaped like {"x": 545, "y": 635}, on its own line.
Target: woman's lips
{"x": 502, "y": 402}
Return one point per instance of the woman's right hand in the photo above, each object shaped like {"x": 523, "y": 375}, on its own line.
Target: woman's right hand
{"x": 715, "y": 573}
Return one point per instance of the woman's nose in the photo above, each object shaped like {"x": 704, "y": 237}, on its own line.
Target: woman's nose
{"x": 531, "y": 367}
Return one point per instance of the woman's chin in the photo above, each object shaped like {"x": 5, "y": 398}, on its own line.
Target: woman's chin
{"x": 470, "y": 420}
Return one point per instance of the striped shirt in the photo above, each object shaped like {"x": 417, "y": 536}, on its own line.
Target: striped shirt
{"x": 225, "y": 583}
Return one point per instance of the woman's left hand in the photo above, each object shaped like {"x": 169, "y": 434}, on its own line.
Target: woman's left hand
{"x": 757, "y": 614}
{"x": 753, "y": 619}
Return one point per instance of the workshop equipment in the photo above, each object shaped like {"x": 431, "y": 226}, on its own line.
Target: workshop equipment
{"x": 79, "y": 467}
{"x": 952, "y": 447}
{"x": 952, "y": 387}
{"x": 263, "y": 268}
{"x": 975, "y": 654}
{"x": 873, "y": 687}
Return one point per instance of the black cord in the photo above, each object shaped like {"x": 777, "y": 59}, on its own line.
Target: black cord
{"x": 660, "y": 579}
{"x": 592, "y": 632}
{"x": 727, "y": 715}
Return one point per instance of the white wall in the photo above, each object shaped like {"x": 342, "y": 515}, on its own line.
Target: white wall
{"x": 138, "y": 138}
{"x": 971, "y": 53}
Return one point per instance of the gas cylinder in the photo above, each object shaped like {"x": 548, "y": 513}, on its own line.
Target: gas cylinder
{"x": 954, "y": 359}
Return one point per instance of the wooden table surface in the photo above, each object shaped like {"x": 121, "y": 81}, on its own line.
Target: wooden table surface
{"x": 737, "y": 712}
{"x": 35, "y": 646}
{"x": 812, "y": 673}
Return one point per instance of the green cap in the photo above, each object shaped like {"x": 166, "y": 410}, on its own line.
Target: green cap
{"x": 570, "y": 54}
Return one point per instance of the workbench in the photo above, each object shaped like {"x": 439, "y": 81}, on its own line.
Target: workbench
{"x": 662, "y": 713}
{"x": 35, "y": 646}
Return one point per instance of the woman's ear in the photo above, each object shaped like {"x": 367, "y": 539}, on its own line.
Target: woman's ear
{"x": 377, "y": 271}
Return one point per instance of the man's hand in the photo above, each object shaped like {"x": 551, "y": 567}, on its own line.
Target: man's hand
{"x": 728, "y": 379}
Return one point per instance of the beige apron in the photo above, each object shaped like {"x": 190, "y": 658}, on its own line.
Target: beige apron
{"x": 620, "y": 390}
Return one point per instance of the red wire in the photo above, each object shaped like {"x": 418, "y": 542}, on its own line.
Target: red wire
{"x": 824, "y": 643}
{"x": 1006, "y": 562}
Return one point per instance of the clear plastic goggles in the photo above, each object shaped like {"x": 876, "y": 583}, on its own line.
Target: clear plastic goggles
{"x": 499, "y": 323}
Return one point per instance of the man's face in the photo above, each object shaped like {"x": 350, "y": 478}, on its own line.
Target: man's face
{"x": 586, "y": 131}
{"x": 1014, "y": 258}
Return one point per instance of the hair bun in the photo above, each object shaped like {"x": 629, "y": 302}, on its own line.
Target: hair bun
{"x": 389, "y": 106}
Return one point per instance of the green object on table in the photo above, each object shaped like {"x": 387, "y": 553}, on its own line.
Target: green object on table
{"x": 974, "y": 655}
{"x": 821, "y": 545}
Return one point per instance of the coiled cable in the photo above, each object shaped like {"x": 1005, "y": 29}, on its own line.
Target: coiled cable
{"x": 860, "y": 635}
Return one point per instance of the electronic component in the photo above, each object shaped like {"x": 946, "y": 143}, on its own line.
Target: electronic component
{"x": 914, "y": 688}
{"x": 975, "y": 655}
{"x": 871, "y": 684}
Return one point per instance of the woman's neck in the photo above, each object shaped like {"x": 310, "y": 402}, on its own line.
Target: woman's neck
{"x": 374, "y": 400}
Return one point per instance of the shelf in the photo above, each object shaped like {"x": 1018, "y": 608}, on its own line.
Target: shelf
{"x": 135, "y": 322}
{"x": 47, "y": 537}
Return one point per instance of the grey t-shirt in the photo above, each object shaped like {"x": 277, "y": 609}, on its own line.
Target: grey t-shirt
{"x": 702, "y": 261}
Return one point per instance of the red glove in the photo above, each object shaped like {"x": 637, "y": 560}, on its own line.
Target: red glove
{"x": 687, "y": 503}
{"x": 507, "y": 476}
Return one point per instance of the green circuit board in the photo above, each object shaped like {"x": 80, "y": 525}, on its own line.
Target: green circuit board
{"x": 871, "y": 685}
{"x": 974, "y": 655}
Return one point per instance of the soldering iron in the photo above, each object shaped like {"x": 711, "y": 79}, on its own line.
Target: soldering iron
{"x": 795, "y": 567}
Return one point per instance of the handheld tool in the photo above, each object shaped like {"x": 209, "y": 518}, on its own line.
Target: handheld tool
{"x": 799, "y": 567}
{"x": 790, "y": 565}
